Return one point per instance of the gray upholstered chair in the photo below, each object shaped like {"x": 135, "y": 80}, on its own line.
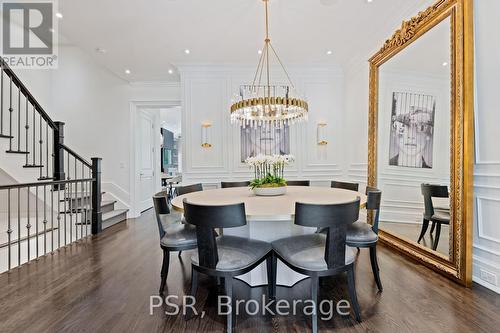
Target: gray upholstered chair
{"x": 234, "y": 184}
{"x": 298, "y": 182}
{"x": 345, "y": 185}
{"x": 224, "y": 256}
{"x": 317, "y": 255}
{"x": 432, "y": 214}
{"x": 363, "y": 235}
{"x": 174, "y": 235}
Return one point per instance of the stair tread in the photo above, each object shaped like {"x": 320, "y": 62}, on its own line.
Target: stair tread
{"x": 6, "y": 136}
{"x": 107, "y": 202}
{"x": 32, "y": 166}
{"x": 113, "y": 213}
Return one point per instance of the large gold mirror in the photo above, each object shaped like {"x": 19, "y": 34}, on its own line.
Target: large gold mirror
{"x": 421, "y": 137}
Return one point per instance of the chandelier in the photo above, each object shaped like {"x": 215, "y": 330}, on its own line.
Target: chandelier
{"x": 263, "y": 104}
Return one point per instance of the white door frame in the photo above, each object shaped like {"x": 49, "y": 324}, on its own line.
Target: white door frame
{"x": 135, "y": 106}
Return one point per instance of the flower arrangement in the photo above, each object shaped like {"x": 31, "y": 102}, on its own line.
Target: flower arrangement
{"x": 269, "y": 170}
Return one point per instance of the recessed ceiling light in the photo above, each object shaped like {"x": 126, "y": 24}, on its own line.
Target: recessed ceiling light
{"x": 329, "y": 52}
{"x": 259, "y": 51}
{"x": 369, "y": 1}
{"x": 101, "y": 50}
{"x": 187, "y": 51}
{"x": 59, "y": 15}
{"x": 170, "y": 71}
{"x": 445, "y": 64}
{"x": 127, "y": 71}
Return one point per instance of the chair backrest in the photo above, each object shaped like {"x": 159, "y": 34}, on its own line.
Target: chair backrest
{"x": 206, "y": 218}
{"x": 298, "y": 182}
{"x": 335, "y": 218}
{"x": 345, "y": 185}
{"x": 189, "y": 189}
{"x": 234, "y": 184}
{"x": 430, "y": 191}
{"x": 161, "y": 208}
{"x": 373, "y": 204}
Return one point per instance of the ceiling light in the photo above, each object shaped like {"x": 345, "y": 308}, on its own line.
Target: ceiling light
{"x": 329, "y": 52}
{"x": 187, "y": 51}
{"x": 264, "y": 103}
{"x": 170, "y": 71}
{"x": 59, "y": 15}
{"x": 127, "y": 71}
{"x": 369, "y": 1}
{"x": 100, "y": 50}
{"x": 445, "y": 64}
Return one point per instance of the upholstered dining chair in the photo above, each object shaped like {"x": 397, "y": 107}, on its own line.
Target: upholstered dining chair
{"x": 234, "y": 184}
{"x": 181, "y": 190}
{"x": 317, "y": 255}
{"x": 345, "y": 185}
{"x": 298, "y": 182}
{"x": 174, "y": 235}
{"x": 224, "y": 256}
{"x": 437, "y": 217}
{"x": 363, "y": 235}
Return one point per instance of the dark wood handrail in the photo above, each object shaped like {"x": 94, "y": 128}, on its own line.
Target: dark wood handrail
{"x": 25, "y": 91}
{"x": 47, "y": 183}
{"x": 75, "y": 155}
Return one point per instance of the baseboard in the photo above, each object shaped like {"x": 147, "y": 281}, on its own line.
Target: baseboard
{"x": 481, "y": 266}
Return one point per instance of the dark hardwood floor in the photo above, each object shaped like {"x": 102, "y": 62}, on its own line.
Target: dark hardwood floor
{"x": 104, "y": 285}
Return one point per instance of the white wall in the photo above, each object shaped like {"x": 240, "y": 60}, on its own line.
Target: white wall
{"x": 206, "y": 98}
{"x": 95, "y": 105}
{"x": 486, "y": 255}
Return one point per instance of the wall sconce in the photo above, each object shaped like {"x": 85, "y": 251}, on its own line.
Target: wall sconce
{"x": 321, "y": 134}
{"x": 206, "y": 130}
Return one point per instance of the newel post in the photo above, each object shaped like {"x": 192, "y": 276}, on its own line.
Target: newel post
{"x": 96, "y": 196}
{"x": 58, "y": 151}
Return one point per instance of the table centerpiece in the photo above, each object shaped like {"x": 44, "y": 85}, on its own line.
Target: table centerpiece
{"x": 269, "y": 174}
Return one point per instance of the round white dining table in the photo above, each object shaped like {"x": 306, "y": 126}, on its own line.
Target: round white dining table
{"x": 269, "y": 218}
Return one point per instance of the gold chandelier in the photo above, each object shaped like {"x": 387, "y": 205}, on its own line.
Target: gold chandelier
{"x": 265, "y": 104}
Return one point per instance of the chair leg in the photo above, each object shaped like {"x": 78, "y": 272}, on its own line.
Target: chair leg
{"x": 352, "y": 293}
{"x": 433, "y": 226}
{"x": 314, "y": 298}
{"x": 180, "y": 253}
{"x": 375, "y": 268}
{"x": 425, "y": 225}
{"x": 271, "y": 262}
{"x": 164, "y": 270}
{"x": 436, "y": 237}
{"x": 194, "y": 289}
{"x": 228, "y": 284}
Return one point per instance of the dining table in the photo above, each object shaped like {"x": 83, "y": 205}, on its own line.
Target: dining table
{"x": 269, "y": 218}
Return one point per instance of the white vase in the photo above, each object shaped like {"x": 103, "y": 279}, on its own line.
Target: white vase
{"x": 269, "y": 191}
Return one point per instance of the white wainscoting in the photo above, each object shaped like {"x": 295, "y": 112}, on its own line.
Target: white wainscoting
{"x": 206, "y": 98}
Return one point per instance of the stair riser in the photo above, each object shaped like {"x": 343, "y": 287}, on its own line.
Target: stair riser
{"x": 114, "y": 220}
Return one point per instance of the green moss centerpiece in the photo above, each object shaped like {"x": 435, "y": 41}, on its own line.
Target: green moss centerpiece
{"x": 269, "y": 174}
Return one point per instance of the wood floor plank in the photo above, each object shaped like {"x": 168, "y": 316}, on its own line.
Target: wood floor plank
{"x": 103, "y": 284}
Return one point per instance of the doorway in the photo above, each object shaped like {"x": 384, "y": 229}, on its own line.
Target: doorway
{"x": 157, "y": 150}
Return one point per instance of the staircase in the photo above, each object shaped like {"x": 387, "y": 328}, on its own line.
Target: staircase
{"x": 62, "y": 201}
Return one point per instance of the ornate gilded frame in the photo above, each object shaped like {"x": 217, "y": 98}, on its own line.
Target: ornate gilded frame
{"x": 459, "y": 265}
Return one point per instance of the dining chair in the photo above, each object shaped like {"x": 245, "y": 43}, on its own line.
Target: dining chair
{"x": 437, "y": 217}
{"x": 321, "y": 254}
{"x": 234, "y": 184}
{"x": 224, "y": 256}
{"x": 181, "y": 190}
{"x": 345, "y": 185}
{"x": 363, "y": 235}
{"x": 174, "y": 235}
{"x": 298, "y": 183}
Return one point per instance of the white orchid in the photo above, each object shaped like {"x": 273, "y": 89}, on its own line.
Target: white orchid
{"x": 269, "y": 165}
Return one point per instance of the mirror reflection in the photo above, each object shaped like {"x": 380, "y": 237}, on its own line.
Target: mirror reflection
{"x": 414, "y": 140}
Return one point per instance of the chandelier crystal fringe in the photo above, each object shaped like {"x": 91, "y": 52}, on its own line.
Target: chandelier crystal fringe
{"x": 265, "y": 104}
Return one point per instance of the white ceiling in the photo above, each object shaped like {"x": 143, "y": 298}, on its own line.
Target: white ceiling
{"x": 149, "y": 37}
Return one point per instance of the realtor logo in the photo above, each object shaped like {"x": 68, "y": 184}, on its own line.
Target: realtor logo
{"x": 29, "y": 34}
